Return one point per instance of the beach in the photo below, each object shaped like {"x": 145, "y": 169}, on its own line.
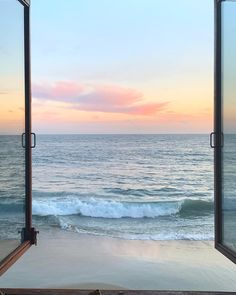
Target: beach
{"x": 120, "y": 212}
{"x": 64, "y": 259}
{"x": 7, "y": 246}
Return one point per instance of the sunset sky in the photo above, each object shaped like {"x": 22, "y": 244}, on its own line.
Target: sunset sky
{"x": 127, "y": 66}
{"x": 11, "y": 68}
{"x": 229, "y": 67}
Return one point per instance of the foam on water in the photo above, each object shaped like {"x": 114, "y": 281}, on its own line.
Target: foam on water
{"x": 102, "y": 208}
{"x": 92, "y": 207}
{"x": 133, "y": 234}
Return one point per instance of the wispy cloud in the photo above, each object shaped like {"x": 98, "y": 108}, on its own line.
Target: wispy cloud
{"x": 98, "y": 98}
{"x": 60, "y": 91}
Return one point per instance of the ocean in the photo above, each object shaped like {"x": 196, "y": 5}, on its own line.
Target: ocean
{"x": 145, "y": 187}
{"x": 12, "y": 186}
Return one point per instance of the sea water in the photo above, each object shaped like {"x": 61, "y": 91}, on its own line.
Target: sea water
{"x": 146, "y": 187}
{"x": 12, "y": 186}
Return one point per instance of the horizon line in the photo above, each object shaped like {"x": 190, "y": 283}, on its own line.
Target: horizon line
{"x": 187, "y": 133}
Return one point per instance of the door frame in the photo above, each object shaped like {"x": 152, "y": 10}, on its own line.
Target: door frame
{"x": 218, "y": 132}
{"x": 28, "y": 234}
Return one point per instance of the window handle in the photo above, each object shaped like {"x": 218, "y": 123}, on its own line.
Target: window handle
{"x": 34, "y": 137}
{"x": 23, "y": 140}
{"x": 213, "y": 140}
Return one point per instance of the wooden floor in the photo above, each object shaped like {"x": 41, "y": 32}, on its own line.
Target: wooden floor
{"x": 103, "y": 292}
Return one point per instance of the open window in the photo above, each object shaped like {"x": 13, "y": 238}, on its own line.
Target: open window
{"x": 225, "y": 128}
{"x": 15, "y": 133}
{"x": 16, "y": 136}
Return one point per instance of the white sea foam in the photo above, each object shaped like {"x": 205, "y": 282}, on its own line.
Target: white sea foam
{"x": 92, "y": 207}
{"x": 160, "y": 236}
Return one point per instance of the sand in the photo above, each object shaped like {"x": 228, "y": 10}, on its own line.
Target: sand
{"x": 7, "y": 246}
{"x": 70, "y": 260}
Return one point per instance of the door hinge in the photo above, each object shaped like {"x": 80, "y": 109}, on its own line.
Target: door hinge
{"x": 29, "y": 235}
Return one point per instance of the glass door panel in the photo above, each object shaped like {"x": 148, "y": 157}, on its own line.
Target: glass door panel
{"x": 229, "y": 124}
{"x": 225, "y": 128}
{"x": 12, "y": 126}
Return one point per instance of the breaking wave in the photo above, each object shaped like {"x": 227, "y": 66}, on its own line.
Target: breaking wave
{"x": 101, "y": 208}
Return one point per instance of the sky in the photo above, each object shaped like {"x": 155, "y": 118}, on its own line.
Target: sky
{"x": 127, "y": 66}
{"x": 229, "y": 67}
{"x": 11, "y": 69}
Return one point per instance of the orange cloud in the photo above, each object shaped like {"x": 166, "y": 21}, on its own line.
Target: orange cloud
{"x": 98, "y": 98}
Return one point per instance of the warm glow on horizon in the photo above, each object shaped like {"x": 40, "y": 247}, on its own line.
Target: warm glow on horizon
{"x": 72, "y": 104}
{"x": 12, "y": 115}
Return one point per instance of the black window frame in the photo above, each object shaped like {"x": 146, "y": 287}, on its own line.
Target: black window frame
{"x": 218, "y": 131}
{"x": 28, "y": 234}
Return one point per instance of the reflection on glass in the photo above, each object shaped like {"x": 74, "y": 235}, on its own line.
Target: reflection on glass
{"x": 12, "y": 100}
{"x": 229, "y": 124}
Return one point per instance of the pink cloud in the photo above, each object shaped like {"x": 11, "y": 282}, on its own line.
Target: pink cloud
{"x": 148, "y": 109}
{"x": 117, "y": 95}
{"x": 61, "y": 90}
{"x": 98, "y": 98}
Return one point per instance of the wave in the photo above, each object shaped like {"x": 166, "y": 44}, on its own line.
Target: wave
{"x": 195, "y": 207}
{"x": 141, "y": 192}
{"x": 101, "y": 208}
{"x": 162, "y": 235}
{"x": 12, "y": 207}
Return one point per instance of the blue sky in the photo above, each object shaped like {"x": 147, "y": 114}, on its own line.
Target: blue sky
{"x": 229, "y": 66}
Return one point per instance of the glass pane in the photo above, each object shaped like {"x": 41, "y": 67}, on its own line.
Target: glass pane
{"x": 229, "y": 124}
{"x": 12, "y": 122}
